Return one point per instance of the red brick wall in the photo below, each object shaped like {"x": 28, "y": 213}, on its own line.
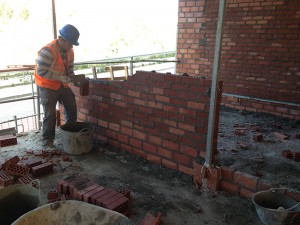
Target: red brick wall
{"x": 162, "y": 118}
{"x": 260, "y": 55}
{"x": 234, "y": 182}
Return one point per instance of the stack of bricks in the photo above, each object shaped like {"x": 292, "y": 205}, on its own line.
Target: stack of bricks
{"x": 84, "y": 189}
{"x": 8, "y": 140}
{"x": 13, "y": 171}
{"x": 151, "y": 219}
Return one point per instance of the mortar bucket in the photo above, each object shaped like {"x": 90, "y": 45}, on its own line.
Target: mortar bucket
{"x": 77, "y": 137}
{"x": 277, "y": 206}
{"x": 72, "y": 212}
{"x": 16, "y": 200}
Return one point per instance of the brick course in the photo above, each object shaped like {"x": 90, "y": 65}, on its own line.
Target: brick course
{"x": 160, "y": 117}
{"x": 259, "y": 55}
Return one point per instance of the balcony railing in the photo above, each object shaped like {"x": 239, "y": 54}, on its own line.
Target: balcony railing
{"x": 160, "y": 62}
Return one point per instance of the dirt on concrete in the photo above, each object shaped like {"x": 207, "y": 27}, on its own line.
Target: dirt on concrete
{"x": 239, "y": 149}
{"x": 155, "y": 188}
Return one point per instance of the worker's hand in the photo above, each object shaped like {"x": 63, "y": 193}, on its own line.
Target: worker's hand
{"x": 65, "y": 79}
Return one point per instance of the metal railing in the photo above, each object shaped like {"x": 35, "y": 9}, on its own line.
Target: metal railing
{"x": 93, "y": 69}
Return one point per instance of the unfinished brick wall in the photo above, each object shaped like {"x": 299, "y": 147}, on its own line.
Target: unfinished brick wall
{"x": 160, "y": 117}
{"x": 234, "y": 182}
{"x": 260, "y": 51}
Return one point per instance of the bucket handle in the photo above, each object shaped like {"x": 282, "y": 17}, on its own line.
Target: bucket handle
{"x": 284, "y": 190}
{"x": 85, "y": 131}
{"x": 294, "y": 207}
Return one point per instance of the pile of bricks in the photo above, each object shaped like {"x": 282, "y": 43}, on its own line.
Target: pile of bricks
{"x": 13, "y": 171}
{"x": 83, "y": 189}
{"x": 291, "y": 155}
{"x": 8, "y": 140}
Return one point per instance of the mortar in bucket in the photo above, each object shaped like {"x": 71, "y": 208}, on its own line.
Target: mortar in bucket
{"x": 77, "y": 137}
{"x": 16, "y": 200}
{"x": 72, "y": 212}
{"x": 277, "y": 206}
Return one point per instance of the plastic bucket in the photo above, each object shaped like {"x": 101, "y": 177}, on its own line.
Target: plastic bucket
{"x": 16, "y": 200}
{"x": 77, "y": 137}
{"x": 72, "y": 212}
{"x": 277, "y": 206}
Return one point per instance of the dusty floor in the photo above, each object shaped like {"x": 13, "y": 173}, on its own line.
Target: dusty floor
{"x": 262, "y": 159}
{"x": 155, "y": 188}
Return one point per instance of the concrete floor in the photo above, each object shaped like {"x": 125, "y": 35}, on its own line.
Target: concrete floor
{"x": 152, "y": 187}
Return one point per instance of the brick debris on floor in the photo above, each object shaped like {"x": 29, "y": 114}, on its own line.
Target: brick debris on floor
{"x": 35, "y": 164}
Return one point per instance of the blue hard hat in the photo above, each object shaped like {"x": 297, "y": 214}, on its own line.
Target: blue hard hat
{"x": 70, "y": 33}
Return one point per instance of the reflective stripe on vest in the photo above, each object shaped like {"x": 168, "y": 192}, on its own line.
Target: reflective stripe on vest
{"x": 57, "y": 69}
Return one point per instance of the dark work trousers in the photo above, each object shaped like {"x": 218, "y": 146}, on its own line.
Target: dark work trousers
{"x": 49, "y": 99}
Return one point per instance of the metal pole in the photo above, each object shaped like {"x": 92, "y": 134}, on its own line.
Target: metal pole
{"x": 131, "y": 66}
{"x": 38, "y": 107}
{"x": 16, "y": 123}
{"x": 32, "y": 91}
{"x": 213, "y": 97}
{"x": 94, "y": 72}
{"x": 54, "y": 20}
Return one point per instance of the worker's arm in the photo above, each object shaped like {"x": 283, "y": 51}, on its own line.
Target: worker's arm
{"x": 44, "y": 62}
{"x": 71, "y": 63}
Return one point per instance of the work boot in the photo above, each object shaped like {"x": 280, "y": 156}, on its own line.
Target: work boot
{"x": 48, "y": 143}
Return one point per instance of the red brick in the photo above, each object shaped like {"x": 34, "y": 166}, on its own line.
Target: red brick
{"x": 257, "y": 137}
{"x": 197, "y": 174}
{"x": 5, "y": 179}
{"x": 17, "y": 170}
{"x": 84, "y": 89}
{"x": 214, "y": 177}
{"x": 111, "y": 199}
{"x": 227, "y": 173}
{"x": 121, "y": 205}
{"x": 151, "y": 219}
{"x": 66, "y": 197}
{"x": 245, "y": 193}
{"x": 98, "y": 195}
{"x": 263, "y": 185}
{"x": 245, "y": 180}
{"x": 125, "y": 192}
{"x": 99, "y": 201}
{"x": 78, "y": 194}
{"x": 8, "y": 140}
{"x": 86, "y": 196}
{"x": 52, "y": 195}
{"x": 42, "y": 169}
{"x": 281, "y": 136}
{"x": 230, "y": 187}
{"x": 287, "y": 154}
{"x": 62, "y": 187}
{"x": 13, "y": 160}
{"x": 186, "y": 170}
{"x": 33, "y": 163}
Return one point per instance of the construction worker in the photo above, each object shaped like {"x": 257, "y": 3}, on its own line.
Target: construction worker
{"x": 54, "y": 64}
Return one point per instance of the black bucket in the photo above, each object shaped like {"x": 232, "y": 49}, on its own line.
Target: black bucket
{"x": 276, "y": 206}
{"x": 16, "y": 200}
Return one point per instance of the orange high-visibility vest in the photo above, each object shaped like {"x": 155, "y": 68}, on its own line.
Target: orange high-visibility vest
{"x": 58, "y": 67}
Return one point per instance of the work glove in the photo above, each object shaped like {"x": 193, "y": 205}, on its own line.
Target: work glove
{"x": 65, "y": 79}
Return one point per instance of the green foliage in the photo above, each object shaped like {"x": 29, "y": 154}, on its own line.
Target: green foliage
{"x": 24, "y": 13}
{"x": 6, "y": 12}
